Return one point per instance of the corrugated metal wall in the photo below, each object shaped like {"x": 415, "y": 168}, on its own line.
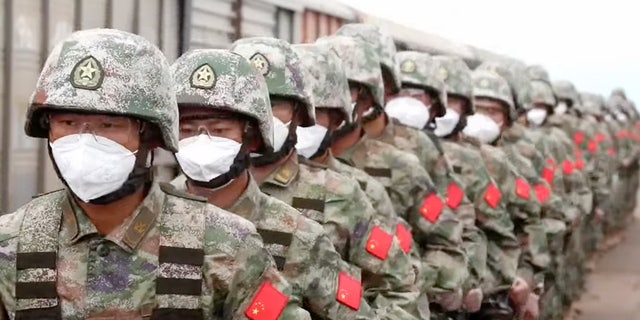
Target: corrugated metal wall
{"x": 33, "y": 27}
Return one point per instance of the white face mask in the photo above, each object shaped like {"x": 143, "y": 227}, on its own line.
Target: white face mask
{"x": 482, "y": 128}
{"x": 608, "y": 118}
{"x": 92, "y": 166}
{"x": 280, "y": 133}
{"x": 621, "y": 117}
{"x": 204, "y": 158}
{"x": 310, "y": 139}
{"x": 561, "y": 108}
{"x": 536, "y": 116}
{"x": 446, "y": 123}
{"x": 409, "y": 111}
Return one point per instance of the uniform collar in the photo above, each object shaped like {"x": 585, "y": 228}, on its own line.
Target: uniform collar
{"x": 348, "y": 155}
{"x": 285, "y": 173}
{"x": 127, "y": 235}
{"x": 248, "y": 204}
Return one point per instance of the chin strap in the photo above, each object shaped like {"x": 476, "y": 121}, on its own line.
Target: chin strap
{"x": 240, "y": 165}
{"x": 462, "y": 123}
{"x": 324, "y": 145}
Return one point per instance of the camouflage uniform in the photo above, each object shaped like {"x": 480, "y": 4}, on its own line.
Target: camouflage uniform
{"x": 333, "y": 200}
{"x": 303, "y": 253}
{"x": 175, "y": 256}
{"x": 436, "y": 229}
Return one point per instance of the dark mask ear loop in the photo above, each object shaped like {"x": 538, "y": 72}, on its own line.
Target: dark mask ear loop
{"x": 271, "y": 156}
{"x": 357, "y": 120}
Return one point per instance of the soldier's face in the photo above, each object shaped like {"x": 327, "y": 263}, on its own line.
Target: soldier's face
{"x": 389, "y": 85}
{"x": 493, "y": 109}
{"x": 216, "y": 127}
{"x": 283, "y": 109}
{"x": 123, "y": 130}
{"x": 457, "y": 104}
{"x": 329, "y": 118}
{"x": 418, "y": 94}
{"x": 362, "y": 97}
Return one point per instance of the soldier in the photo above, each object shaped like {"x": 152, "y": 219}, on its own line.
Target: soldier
{"x": 333, "y": 200}
{"x": 114, "y": 243}
{"x": 225, "y": 115}
{"x": 493, "y": 191}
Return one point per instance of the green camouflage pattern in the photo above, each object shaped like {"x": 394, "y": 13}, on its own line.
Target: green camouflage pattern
{"x": 516, "y": 79}
{"x": 420, "y": 70}
{"x": 487, "y": 84}
{"x": 106, "y": 71}
{"x": 444, "y": 264}
{"x": 539, "y": 73}
{"x": 457, "y": 77}
{"x": 565, "y": 90}
{"x": 222, "y": 80}
{"x": 348, "y": 219}
{"x": 122, "y": 283}
{"x": 311, "y": 263}
{"x": 383, "y": 44}
{"x": 329, "y": 83}
{"x": 540, "y": 92}
{"x": 591, "y": 104}
{"x": 281, "y": 68}
{"x": 361, "y": 63}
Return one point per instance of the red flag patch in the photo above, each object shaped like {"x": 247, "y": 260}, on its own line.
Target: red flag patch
{"x": 547, "y": 174}
{"x": 611, "y": 151}
{"x": 578, "y": 137}
{"x": 349, "y": 291}
{"x": 599, "y": 137}
{"x": 267, "y": 304}
{"x": 379, "y": 243}
{"x": 522, "y": 188}
{"x": 431, "y": 207}
{"x": 542, "y": 192}
{"x": 567, "y": 167}
{"x": 579, "y": 164}
{"x": 592, "y": 146}
{"x": 492, "y": 195}
{"x": 404, "y": 237}
{"x": 454, "y": 195}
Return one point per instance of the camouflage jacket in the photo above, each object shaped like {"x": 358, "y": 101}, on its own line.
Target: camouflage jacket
{"x": 303, "y": 254}
{"x": 437, "y": 230}
{"x": 175, "y": 253}
{"x": 338, "y": 204}
{"x": 492, "y": 217}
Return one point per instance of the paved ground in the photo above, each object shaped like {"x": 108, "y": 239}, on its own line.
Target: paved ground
{"x": 613, "y": 289}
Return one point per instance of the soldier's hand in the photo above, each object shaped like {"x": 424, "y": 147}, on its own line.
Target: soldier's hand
{"x": 473, "y": 300}
{"x": 450, "y": 301}
{"x": 519, "y": 292}
{"x": 531, "y": 309}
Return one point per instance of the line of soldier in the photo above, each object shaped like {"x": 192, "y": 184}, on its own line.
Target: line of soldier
{"x": 333, "y": 180}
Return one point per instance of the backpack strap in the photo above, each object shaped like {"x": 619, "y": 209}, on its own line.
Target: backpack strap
{"x": 179, "y": 282}
{"x": 36, "y": 258}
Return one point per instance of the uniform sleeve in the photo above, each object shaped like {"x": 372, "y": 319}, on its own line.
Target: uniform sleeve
{"x": 258, "y": 288}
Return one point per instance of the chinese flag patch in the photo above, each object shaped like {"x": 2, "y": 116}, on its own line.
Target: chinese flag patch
{"x": 578, "y": 137}
{"x": 492, "y": 195}
{"x": 621, "y": 134}
{"x": 599, "y": 137}
{"x": 267, "y": 304}
{"x": 611, "y": 151}
{"x": 404, "y": 237}
{"x": 592, "y": 146}
{"x": 567, "y": 167}
{"x": 551, "y": 163}
{"x": 579, "y": 164}
{"x": 522, "y": 188}
{"x": 547, "y": 174}
{"x": 349, "y": 291}
{"x": 379, "y": 243}
{"x": 454, "y": 195}
{"x": 431, "y": 207}
{"x": 542, "y": 192}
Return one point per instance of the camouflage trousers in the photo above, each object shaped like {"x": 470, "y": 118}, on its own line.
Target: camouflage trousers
{"x": 552, "y": 301}
{"x": 623, "y": 200}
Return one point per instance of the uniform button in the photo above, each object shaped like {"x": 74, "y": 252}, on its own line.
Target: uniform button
{"x": 103, "y": 250}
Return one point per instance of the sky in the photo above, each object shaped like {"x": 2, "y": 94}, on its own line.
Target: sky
{"x": 593, "y": 43}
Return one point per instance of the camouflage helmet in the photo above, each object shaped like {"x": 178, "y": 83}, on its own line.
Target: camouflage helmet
{"x": 565, "y": 90}
{"x": 619, "y": 92}
{"x": 361, "y": 63}
{"x": 541, "y": 93}
{"x": 107, "y": 71}
{"x": 537, "y": 72}
{"x": 488, "y": 84}
{"x": 383, "y": 43}
{"x": 418, "y": 69}
{"x": 457, "y": 77}
{"x": 223, "y": 80}
{"x": 330, "y": 87}
{"x": 517, "y": 81}
{"x": 281, "y": 68}
{"x": 591, "y": 104}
